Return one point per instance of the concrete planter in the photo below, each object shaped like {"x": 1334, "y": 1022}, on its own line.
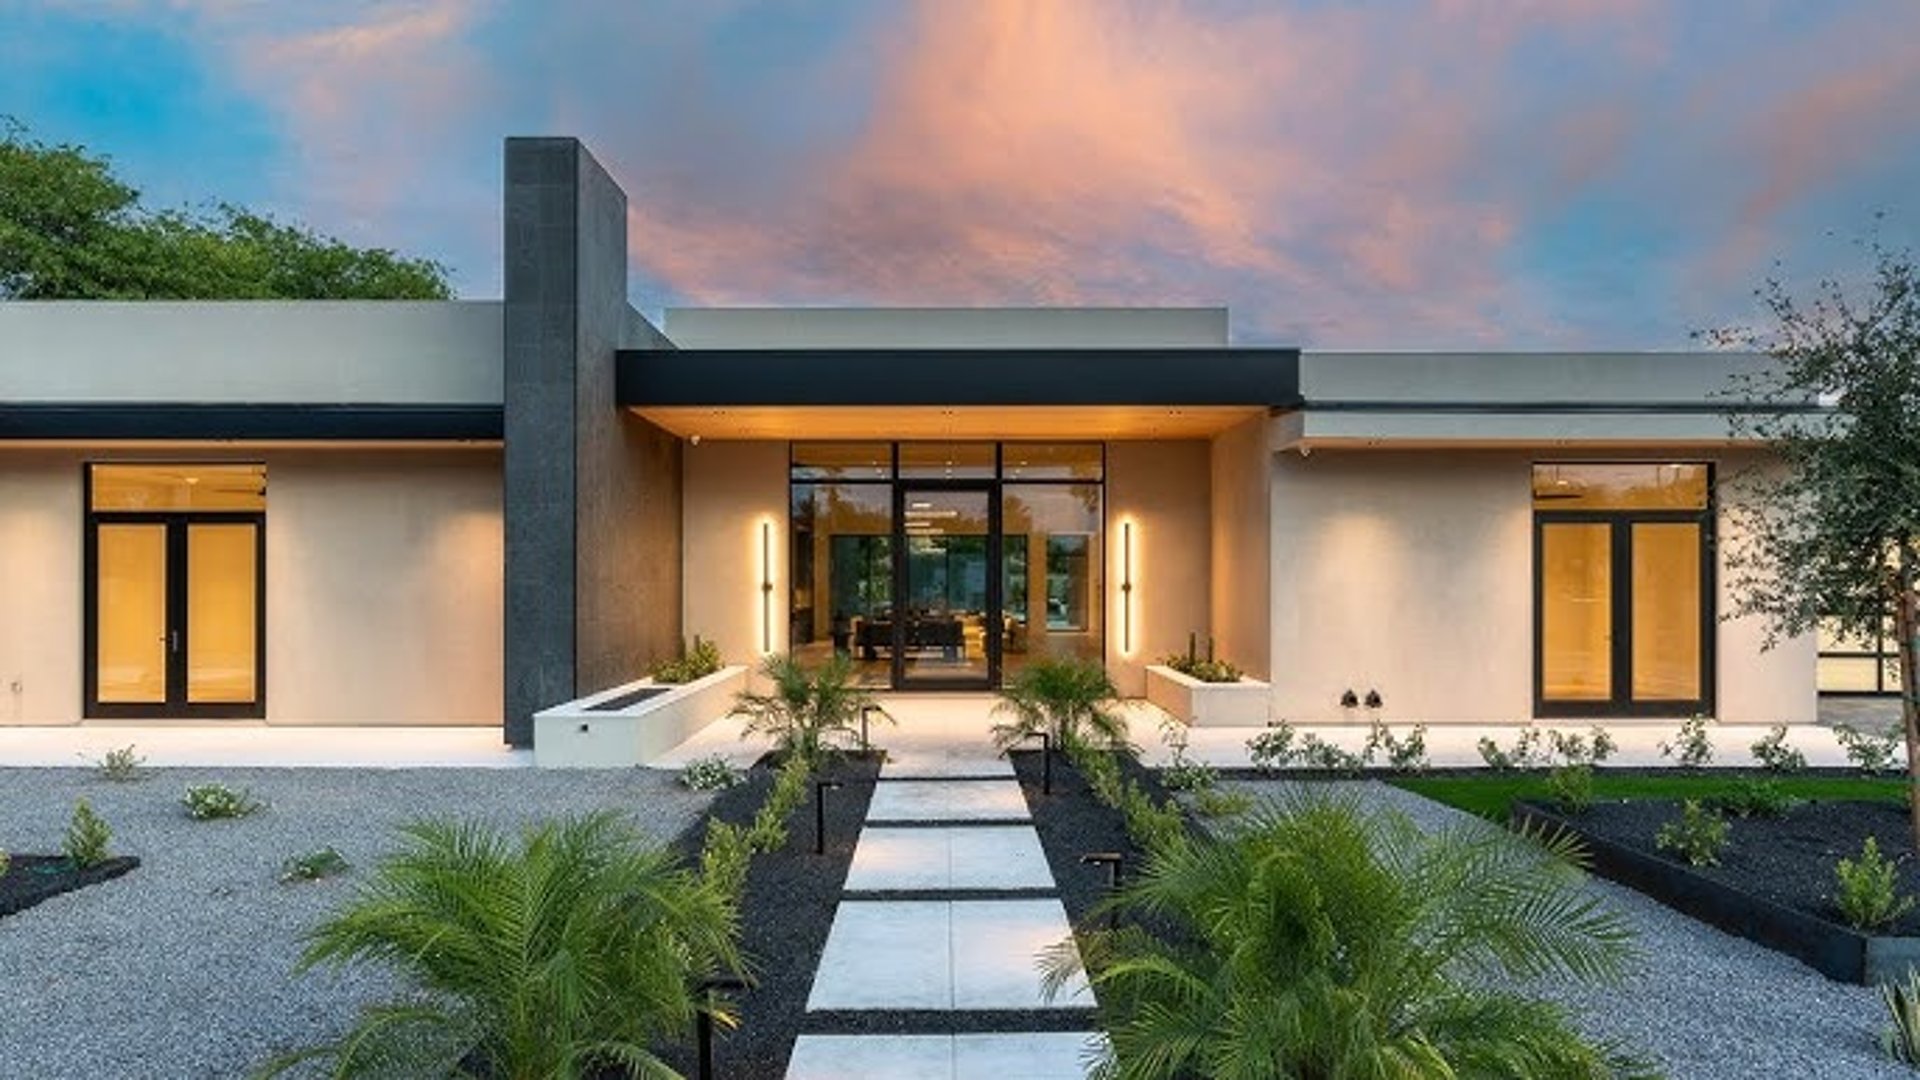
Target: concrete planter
{"x": 1838, "y": 952}
{"x": 632, "y": 724}
{"x": 1204, "y": 704}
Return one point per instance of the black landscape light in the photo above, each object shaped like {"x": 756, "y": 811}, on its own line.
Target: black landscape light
{"x": 820, "y": 789}
{"x": 704, "y": 1018}
{"x": 1113, "y": 861}
{"x": 1046, "y": 760}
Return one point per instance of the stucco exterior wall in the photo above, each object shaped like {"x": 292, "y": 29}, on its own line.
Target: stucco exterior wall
{"x": 1412, "y": 574}
{"x": 731, "y": 489}
{"x": 1241, "y": 593}
{"x": 1162, "y": 488}
{"x": 383, "y": 588}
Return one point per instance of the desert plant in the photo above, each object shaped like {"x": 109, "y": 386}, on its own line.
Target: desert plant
{"x": 711, "y": 773}
{"x": 1871, "y": 753}
{"x": 312, "y": 866}
{"x": 1698, "y": 835}
{"x": 206, "y": 802}
{"x": 1902, "y": 1041}
{"x": 696, "y": 661}
{"x": 1752, "y": 797}
{"x": 571, "y": 951}
{"x": 1692, "y": 747}
{"x": 1571, "y": 787}
{"x": 1070, "y": 699}
{"x": 1408, "y": 754}
{"x": 120, "y": 765}
{"x": 807, "y": 709}
{"x": 1312, "y": 941}
{"x": 1572, "y": 748}
{"x": 1273, "y": 748}
{"x": 1868, "y": 889}
{"x": 1774, "y": 754}
{"x": 1317, "y": 753}
{"x": 1526, "y": 752}
{"x": 88, "y": 834}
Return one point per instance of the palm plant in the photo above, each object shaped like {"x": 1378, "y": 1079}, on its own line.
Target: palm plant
{"x": 1070, "y": 699}
{"x": 1319, "y": 941}
{"x": 568, "y": 953}
{"x": 807, "y": 709}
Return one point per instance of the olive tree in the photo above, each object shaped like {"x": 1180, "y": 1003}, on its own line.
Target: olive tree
{"x": 1832, "y": 531}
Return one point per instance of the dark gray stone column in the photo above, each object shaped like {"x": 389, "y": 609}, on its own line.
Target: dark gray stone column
{"x": 592, "y": 494}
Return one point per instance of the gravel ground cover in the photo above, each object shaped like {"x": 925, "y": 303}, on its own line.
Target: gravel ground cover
{"x": 1704, "y": 1005}
{"x": 183, "y": 968}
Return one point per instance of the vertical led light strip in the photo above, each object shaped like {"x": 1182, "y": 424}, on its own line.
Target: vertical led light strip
{"x": 1126, "y": 588}
{"x": 766, "y": 586}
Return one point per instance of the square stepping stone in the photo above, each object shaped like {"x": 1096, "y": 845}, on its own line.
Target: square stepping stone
{"x": 921, "y": 954}
{"x": 957, "y": 857}
{"x": 1041, "y": 1055}
{"x": 947, "y": 800}
{"x": 910, "y": 762}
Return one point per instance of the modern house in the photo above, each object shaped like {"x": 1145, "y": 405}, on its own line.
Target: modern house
{"x": 464, "y": 512}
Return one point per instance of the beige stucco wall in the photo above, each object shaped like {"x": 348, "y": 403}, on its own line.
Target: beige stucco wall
{"x": 383, "y": 583}
{"x": 1242, "y": 528}
{"x": 731, "y": 490}
{"x": 1162, "y": 488}
{"x": 1412, "y": 573}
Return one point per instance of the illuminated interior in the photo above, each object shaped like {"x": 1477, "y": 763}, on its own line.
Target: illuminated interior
{"x": 131, "y": 612}
{"x": 1576, "y": 611}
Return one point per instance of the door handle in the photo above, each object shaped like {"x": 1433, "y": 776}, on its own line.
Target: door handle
{"x": 173, "y": 641}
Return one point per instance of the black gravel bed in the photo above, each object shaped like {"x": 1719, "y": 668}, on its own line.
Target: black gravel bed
{"x": 33, "y": 878}
{"x": 784, "y": 916}
{"x": 1787, "y": 860}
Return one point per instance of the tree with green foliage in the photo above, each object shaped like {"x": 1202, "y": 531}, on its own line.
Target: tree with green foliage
{"x": 71, "y": 230}
{"x": 1317, "y": 939}
{"x": 1832, "y": 533}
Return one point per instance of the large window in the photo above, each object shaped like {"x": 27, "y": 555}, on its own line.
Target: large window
{"x": 1623, "y": 577}
{"x": 944, "y": 563}
{"x": 1859, "y": 665}
{"x": 175, "y": 579}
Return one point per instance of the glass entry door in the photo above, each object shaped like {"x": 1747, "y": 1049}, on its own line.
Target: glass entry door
{"x": 174, "y": 615}
{"x": 946, "y": 624}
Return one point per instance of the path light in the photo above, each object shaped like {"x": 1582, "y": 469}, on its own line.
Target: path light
{"x": 1113, "y": 861}
{"x": 1046, "y": 760}
{"x": 866, "y": 711}
{"x": 820, "y": 789}
{"x": 704, "y": 1018}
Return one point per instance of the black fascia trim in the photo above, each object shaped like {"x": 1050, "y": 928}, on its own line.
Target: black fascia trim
{"x": 273, "y": 422}
{"x": 1688, "y": 408}
{"x": 959, "y": 377}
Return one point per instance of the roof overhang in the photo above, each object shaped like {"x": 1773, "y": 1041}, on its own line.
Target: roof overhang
{"x": 1468, "y": 425}
{"x": 263, "y": 422}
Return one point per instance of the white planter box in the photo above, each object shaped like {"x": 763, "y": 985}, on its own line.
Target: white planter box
{"x": 578, "y": 736}
{"x": 1204, "y": 704}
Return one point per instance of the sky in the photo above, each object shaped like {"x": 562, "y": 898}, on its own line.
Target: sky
{"x": 1364, "y": 174}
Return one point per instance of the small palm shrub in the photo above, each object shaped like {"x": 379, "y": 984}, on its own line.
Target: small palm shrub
{"x": 711, "y": 773}
{"x": 567, "y": 952}
{"x": 1868, "y": 896}
{"x": 207, "y": 802}
{"x": 1316, "y": 939}
{"x": 1774, "y": 754}
{"x": 88, "y": 834}
{"x": 697, "y": 661}
{"x": 1698, "y": 835}
{"x": 1070, "y": 699}
{"x": 807, "y": 710}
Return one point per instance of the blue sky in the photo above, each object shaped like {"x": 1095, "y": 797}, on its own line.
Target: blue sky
{"x": 1380, "y": 173}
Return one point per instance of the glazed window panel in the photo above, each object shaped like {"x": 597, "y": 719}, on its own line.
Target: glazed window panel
{"x": 842, "y": 461}
{"x": 1666, "y": 611}
{"x": 222, "y": 605}
{"x": 1576, "y": 611}
{"x": 1620, "y": 486}
{"x": 131, "y": 614}
{"x": 167, "y": 488}
{"x": 1052, "y": 461}
{"x": 946, "y": 460}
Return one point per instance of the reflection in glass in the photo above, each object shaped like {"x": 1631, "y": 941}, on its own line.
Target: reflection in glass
{"x": 1576, "y": 618}
{"x": 1620, "y": 486}
{"x": 843, "y": 541}
{"x": 131, "y": 617}
{"x": 222, "y": 604}
{"x": 943, "y": 622}
{"x": 1053, "y": 571}
{"x": 1666, "y": 611}
{"x": 842, "y": 461}
{"x": 946, "y": 460}
{"x": 1051, "y": 461}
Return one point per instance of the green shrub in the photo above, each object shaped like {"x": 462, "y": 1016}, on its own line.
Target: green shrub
{"x": 725, "y": 858}
{"x": 1407, "y": 754}
{"x": 1101, "y": 771}
{"x": 1572, "y": 787}
{"x": 711, "y": 773}
{"x": 808, "y": 709}
{"x": 1698, "y": 835}
{"x": 1575, "y": 749}
{"x": 206, "y": 802}
{"x": 1183, "y": 773}
{"x": 1526, "y": 752}
{"x": 1872, "y": 753}
{"x": 1691, "y": 746}
{"x": 1773, "y": 753}
{"x": 1156, "y": 827}
{"x": 1071, "y": 700}
{"x": 85, "y": 845}
{"x": 1751, "y": 797}
{"x": 1220, "y": 803}
{"x": 6, "y": 862}
{"x": 1273, "y": 748}
{"x": 1206, "y": 669}
{"x": 575, "y": 948}
{"x": 769, "y": 830}
{"x": 120, "y": 765}
{"x": 1902, "y": 1041}
{"x": 1868, "y": 896}
{"x": 697, "y": 661}
{"x": 1317, "y": 753}
{"x": 321, "y": 863}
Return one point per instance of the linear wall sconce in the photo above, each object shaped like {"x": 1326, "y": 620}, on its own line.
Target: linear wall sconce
{"x": 1126, "y": 588}
{"x": 766, "y": 586}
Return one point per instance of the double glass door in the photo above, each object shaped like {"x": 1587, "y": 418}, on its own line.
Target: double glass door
{"x": 174, "y": 615}
{"x": 947, "y": 627}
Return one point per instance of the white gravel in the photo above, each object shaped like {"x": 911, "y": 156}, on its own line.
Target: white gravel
{"x": 183, "y": 968}
{"x": 1705, "y": 1005}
